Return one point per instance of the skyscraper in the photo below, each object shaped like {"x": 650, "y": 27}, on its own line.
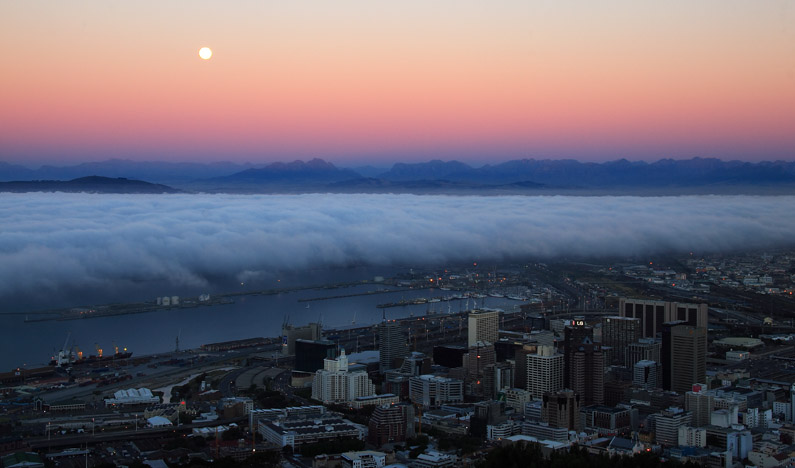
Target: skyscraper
{"x": 618, "y": 333}
{"x": 700, "y": 403}
{"x": 684, "y": 356}
{"x": 309, "y": 355}
{"x": 482, "y": 326}
{"x": 646, "y": 349}
{"x": 392, "y": 344}
{"x": 539, "y": 370}
{"x": 584, "y": 365}
{"x": 653, "y": 314}
{"x": 561, "y": 409}
{"x": 290, "y": 333}
{"x": 647, "y": 374}
{"x": 480, "y": 356}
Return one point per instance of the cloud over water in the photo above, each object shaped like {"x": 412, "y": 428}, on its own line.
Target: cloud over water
{"x": 51, "y": 242}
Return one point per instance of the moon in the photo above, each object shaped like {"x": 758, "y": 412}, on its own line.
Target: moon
{"x": 205, "y": 53}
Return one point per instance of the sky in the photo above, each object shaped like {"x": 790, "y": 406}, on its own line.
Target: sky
{"x": 357, "y": 81}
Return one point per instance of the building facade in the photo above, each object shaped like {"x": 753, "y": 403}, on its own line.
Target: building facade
{"x": 482, "y": 325}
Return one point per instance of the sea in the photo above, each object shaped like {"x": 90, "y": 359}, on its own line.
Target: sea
{"x": 32, "y": 344}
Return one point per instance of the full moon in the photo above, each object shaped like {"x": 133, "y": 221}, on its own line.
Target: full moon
{"x": 205, "y": 53}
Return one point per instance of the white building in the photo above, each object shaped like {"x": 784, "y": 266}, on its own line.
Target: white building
{"x": 433, "y": 391}
{"x": 434, "y": 459}
{"x": 336, "y": 384}
{"x": 667, "y": 425}
{"x": 503, "y": 431}
{"x": 692, "y": 436}
{"x": 482, "y": 325}
{"x": 756, "y": 418}
{"x": 363, "y": 459}
{"x": 132, "y": 396}
{"x": 294, "y": 432}
{"x": 543, "y": 371}
{"x": 517, "y": 398}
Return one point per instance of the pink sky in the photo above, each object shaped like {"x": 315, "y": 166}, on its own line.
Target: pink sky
{"x": 363, "y": 81}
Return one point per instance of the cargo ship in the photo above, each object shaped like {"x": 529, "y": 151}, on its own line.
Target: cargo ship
{"x": 73, "y": 356}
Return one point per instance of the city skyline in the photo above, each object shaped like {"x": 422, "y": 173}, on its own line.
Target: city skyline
{"x": 358, "y": 83}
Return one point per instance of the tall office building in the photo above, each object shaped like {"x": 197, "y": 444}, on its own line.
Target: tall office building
{"x": 391, "y": 423}
{"x": 483, "y": 325}
{"x": 646, "y": 349}
{"x": 561, "y": 409}
{"x": 667, "y": 425}
{"x": 449, "y": 356}
{"x": 539, "y": 370}
{"x": 684, "y": 356}
{"x": 309, "y": 355}
{"x": 618, "y": 333}
{"x": 290, "y": 333}
{"x": 392, "y": 345}
{"x": 647, "y": 375}
{"x": 584, "y": 365}
{"x": 700, "y": 403}
{"x": 653, "y": 314}
{"x": 481, "y": 355}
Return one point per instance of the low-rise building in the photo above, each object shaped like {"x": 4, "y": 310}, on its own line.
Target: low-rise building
{"x": 374, "y": 400}
{"x": 363, "y": 459}
{"x": 132, "y": 396}
{"x": 295, "y": 432}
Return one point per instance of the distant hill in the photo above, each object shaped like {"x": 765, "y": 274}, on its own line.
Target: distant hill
{"x": 664, "y": 177}
{"x": 170, "y": 173}
{"x": 613, "y": 174}
{"x": 91, "y": 184}
{"x": 292, "y": 176}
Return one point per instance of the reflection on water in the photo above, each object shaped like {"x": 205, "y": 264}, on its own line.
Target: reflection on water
{"x": 34, "y": 343}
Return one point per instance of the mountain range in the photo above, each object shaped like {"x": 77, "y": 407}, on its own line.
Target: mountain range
{"x": 697, "y": 175}
{"x": 90, "y": 184}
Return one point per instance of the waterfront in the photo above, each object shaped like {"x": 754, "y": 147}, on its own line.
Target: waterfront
{"x": 249, "y": 316}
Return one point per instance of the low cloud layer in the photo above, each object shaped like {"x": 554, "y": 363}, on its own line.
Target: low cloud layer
{"x": 56, "y": 241}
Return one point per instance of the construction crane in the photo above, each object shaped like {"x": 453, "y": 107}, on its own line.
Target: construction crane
{"x": 64, "y": 355}
{"x": 99, "y": 350}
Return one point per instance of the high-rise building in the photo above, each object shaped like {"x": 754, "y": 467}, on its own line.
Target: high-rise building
{"x": 653, "y": 314}
{"x": 449, "y": 356}
{"x": 483, "y": 325}
{"x": 647, "y": 375}
{"x": 336, "y": 384}
{"x": 392, "y": 344}
{"x": 667, "y": 425}
{"x": 646, "y": 349}
{"x": 498, "y": 376}
{"x": 684, "y": 356}
{"x": 416, "y": 364}
{"x": 584, "y": 365}
{"x": 539, "y": 370}
{"x": 391, "y": 423}
{"x": 792, "y": 402}
{"x": 561, "y": 409}
{"x": 290, "y": 333}
{"x": 309, "y": 355}
{"x": 506, "y": 349}
{"x": 481, "y": 355}
{"x": 618, "y": 333}
{"x": 700, "y": 403}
